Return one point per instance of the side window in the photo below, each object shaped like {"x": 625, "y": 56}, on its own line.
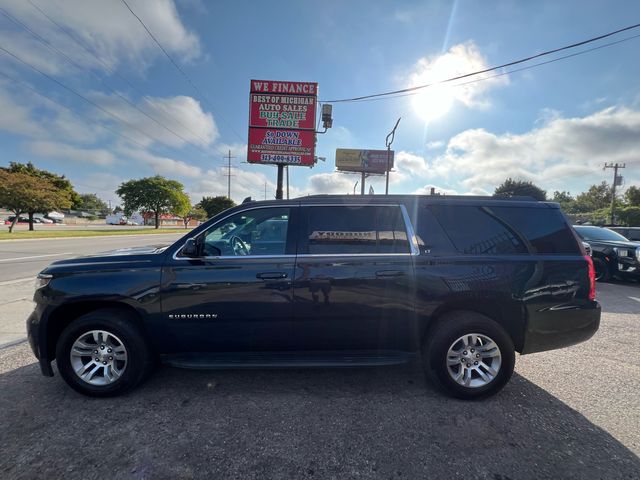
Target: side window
{"x": 545, "y": 228}
{"x": 476, "y": 231}
{"x": 355, "y": 230}
{"x": 261, "y": 231}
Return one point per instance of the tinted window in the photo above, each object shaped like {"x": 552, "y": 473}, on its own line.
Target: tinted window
{"x": 599, "y": 233}
{"x": 355, "y": 230}
{"x": 545, "y": 229}
{"x": 475, "y": 231}
{"x": 255, "y": 232}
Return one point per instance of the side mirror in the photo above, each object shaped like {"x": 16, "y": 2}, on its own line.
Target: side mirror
{"x": 190, "y": 248}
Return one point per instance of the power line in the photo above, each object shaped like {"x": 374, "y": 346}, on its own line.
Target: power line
{"x": 79, "y": 67}
{"x": 184, "y": 74}
{"x": 504, "y": 65}
{"x": 91, "y": 102}
{"x": 515, "y": 70}
{"x": 28, "y": 87}
{"x": 107, "y": 67}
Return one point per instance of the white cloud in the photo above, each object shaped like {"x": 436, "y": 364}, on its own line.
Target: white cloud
{"x": 410, "y": 164}
{"x": 58, "y": 150}
{"x": 16, "y": 116}
{"x": 162, "y": 165}
{"x": 119, "y": 42}
{"x": 435, "y": 145}
{"x": 182, "y": 116}
{"x": 244, "y": 183}
{"x": 461, "y": 59}
{"x": 334, "y": 182}
{"x": 560, "y": 150}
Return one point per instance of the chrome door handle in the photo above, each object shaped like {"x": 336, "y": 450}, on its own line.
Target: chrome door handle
{"x": 389, "y": 273}
{"x": 271, "y": 275}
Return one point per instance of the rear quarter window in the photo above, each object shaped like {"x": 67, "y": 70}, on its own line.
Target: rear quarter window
{"x": 546, "y": 229}
{"x": 488, "y": 230}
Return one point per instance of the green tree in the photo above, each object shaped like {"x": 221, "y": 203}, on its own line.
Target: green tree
{"x": 193, "y": 213}
{"x": 152, "y": 194}
{"x": 632, "y": 196}
{"x": 566, "y": 201}
{"x": 215, "y": 205}
{"x": 596, "y": 198}
{"x": 513, "y": 188}
{"x": 24, "y": 193}
{"x": 91, "y": 203}
{"x": 629, "y": 216}
{"x": 60, "y": 181}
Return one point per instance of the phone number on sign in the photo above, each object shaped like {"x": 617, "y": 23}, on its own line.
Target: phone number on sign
{"x": 292, "y": 159}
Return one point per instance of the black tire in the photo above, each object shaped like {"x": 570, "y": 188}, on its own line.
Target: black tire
{"x": 603, "y": 271}
{"x": 441, "y": 337}
{"x": 140, "y": 358}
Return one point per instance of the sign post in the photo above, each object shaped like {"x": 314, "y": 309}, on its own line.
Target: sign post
{"x": 282, "y": 119}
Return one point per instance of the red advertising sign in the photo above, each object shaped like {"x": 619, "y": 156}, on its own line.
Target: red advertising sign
{"x": 282, "y": 122}
{"x": 290, "y": 147}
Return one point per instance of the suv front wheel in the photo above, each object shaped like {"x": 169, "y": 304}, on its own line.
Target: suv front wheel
{"x": 468, "y": 355}
{"x": 103, "y": 353}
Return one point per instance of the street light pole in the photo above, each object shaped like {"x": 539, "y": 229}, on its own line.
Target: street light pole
{"x": 389, "y": 141}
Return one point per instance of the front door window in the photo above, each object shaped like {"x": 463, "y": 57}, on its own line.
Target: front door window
{"x": 257, "y": 232}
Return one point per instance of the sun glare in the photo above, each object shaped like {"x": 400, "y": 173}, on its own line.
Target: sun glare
{"x": 433, "y": 102}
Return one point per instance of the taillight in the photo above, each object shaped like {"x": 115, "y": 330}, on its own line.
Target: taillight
{"x": 592, "y": 277}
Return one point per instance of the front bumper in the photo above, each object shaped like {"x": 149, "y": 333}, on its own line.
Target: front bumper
{"x": 561, "y": 326}
{"x": 37, "y": 340}
{"x": 628, "y": 267}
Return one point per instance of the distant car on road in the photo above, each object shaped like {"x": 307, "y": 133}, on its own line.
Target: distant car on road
{"x": 613, "y": 255}
{"x": 21, "y": 219}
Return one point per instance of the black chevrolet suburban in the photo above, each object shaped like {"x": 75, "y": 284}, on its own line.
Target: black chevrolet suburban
{"x": 330, "y": 281}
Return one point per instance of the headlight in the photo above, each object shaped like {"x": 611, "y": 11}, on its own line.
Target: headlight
{"x": 42, "y": 280}
{"x": 638, "y": 254}
{"x": 622, "y": 252}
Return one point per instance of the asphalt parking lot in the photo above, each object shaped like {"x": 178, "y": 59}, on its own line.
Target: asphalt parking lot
{"x": 572, "y": 413}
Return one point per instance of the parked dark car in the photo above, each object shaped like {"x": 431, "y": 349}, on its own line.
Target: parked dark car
{"x": 613, "y": 254}
{"x": 631, "y": 233}
{"x": 330, "y": 281}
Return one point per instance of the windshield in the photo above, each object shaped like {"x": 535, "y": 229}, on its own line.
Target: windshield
{"x": 599, "y": 233}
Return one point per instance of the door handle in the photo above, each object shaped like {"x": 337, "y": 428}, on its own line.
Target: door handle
{"x": 271, "y": 275}
{"x": 389, "y": 273}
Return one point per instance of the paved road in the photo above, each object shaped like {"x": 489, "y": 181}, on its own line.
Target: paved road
{"x": 21, "y": 260}
{"x": 25, "y": 258}
{"x": 571, "y": 413}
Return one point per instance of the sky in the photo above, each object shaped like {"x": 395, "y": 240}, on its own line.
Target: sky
{"x": 86, "y": 92}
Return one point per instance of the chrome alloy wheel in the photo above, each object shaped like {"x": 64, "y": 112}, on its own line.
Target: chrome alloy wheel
{"x": 473, "y": 360}
{"x": 98, "y": 357}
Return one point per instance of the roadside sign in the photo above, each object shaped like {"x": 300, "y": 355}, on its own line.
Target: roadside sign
{"x": 367, "y": 161}
{"x": 282, "y": 119}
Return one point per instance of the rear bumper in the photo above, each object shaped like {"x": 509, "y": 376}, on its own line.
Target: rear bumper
{"x": 561, "y": 326}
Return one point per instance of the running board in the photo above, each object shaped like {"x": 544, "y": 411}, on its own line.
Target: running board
{"x": 233, "y": 360}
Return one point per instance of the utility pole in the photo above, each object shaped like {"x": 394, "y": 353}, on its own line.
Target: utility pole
{"x": 279, "y": 182}
{"x": 287, "y": 182}
{"x": 616, "y": 180}
{"x": 265, "y": 190}
{"x": 389, "y": 141}
{"x": 229, "y": 157}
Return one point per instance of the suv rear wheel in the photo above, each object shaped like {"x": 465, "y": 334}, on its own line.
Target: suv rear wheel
{"x": 468, "y": 355}
{"x": 103, "y": 353}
